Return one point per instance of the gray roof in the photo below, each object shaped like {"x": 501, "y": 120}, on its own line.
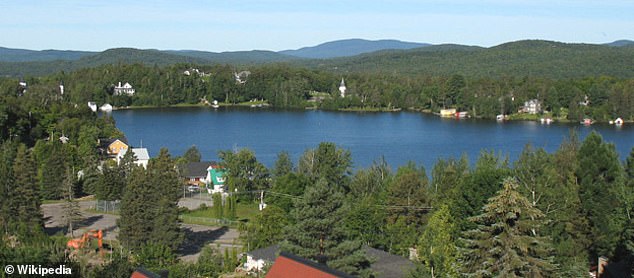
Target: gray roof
{"x": 196, "y": 169}
{"x": 267, "y": 253}
{"x": 388, "y": 265}
{"x": 384, "y": 264}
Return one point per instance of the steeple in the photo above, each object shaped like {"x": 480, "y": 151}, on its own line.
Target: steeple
{"x": 342, "y": 88}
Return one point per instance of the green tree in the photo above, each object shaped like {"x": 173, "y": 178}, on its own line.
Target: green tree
{"x": 166, "y": 184}
{"x": 71, "y": 209}
{"x": 244, "y": 171}
{"x": 266, "y": 229}
{"x": 600, "y": 177}
{"x": 192, "y": 154}
{"x": 137, "y": 211}
{"x": 317, "y": 233}
{"x": 506, "y": 241}
{"x": 436, "y": 247}
{"x": 283, "y": 165}
{"x": 285, "y": 189}
{"x": 26, "y": 199}
{"x": 329, "y": 162}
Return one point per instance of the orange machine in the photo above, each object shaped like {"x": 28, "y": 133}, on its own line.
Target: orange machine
{"x": 79, "y": 243}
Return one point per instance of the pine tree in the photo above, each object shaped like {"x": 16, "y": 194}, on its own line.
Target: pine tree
{"x": 7, "y": 187}
{"x": 318, "y": 233}
{"x": 137, "y": 211}
{"x": 600, "y": 176}
{"x": 27, "y": 198}
{"x": 166, "y": 184}
{"x": 283, "y": 165}
{"x": 504, "y": 243}
{"x": 71, "y": 208}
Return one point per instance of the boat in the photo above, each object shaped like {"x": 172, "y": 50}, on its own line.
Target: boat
{"x": 500, "y": 118}
{"x": 546, "y": 121}
{"x": 106, "y": 108}
{"x": 92, "y": 106}
{"x": 618, "y": 122}
{"x": 215, "y": 104}
{"x": 587, "y": 121}
{"x": 462, "y": 115}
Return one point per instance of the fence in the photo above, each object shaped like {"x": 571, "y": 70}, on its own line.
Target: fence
{"x": 208, "y": 221}
{"x": 107, "y": 206}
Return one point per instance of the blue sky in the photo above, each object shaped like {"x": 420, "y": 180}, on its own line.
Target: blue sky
{"x": 285, "y": 24}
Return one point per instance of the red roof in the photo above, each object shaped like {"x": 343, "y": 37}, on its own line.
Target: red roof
{"x": 289, "y": 266}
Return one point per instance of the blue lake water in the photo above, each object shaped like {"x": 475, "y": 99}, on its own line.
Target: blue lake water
{"x": 399, "y": 137}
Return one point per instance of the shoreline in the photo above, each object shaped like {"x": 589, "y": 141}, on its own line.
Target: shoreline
{"x": 513, "y": 118}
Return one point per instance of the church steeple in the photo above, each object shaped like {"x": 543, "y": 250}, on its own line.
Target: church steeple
{"x": 342, "y": 88}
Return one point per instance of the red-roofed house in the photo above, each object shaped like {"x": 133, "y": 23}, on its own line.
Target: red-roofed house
{"x": 289, "y": 266}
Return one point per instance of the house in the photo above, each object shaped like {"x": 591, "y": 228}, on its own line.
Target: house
{"x": 215, "y": 179}
{"x": 112, "y": 147}
{"x": 289, "y": 265}
{"x": 144, "y": 273}
{"x": 342, "y": 88}
{"x": 195, "y": 173}
{"x": 384, "y": 264}
{"x": 141, "y": 155}
{"x": 259, "y": 258}
{"x": 448, "y": 113}
{"x": 532, "y": 106}
{"x": 126, "y": 89}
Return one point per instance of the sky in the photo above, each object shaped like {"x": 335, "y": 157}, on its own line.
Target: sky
{"x": 217, "y": 26}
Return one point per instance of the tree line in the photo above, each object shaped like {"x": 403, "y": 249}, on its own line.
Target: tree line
{"x": 601, "y": 98}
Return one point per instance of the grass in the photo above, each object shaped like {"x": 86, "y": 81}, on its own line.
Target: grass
{"x": 244, "y": 212}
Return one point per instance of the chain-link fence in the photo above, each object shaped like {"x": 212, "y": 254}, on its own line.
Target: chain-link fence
{"x": 107, "y": 206}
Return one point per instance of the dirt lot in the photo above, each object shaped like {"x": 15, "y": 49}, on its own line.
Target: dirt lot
{"x": 196, "y": 236}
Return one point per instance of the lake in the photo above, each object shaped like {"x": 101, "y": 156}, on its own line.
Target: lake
{"x": 399, "y": 137}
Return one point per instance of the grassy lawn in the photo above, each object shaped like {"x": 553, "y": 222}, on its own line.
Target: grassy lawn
{"x": 244, "y": 212}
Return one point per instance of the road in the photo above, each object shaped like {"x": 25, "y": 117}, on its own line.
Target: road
{"x": 196, "y": 236}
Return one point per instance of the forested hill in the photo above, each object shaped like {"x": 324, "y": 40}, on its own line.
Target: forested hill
{"x": 140, "y": 56}
{"x": 351, "y": 47}
{"x": 25, "y": 55}
{"x": 523, "y": 58}
{"x": 516, "y": 59}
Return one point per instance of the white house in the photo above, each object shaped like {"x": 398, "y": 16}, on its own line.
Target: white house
{"x": 126, "y": 89}
{"x": 141, "y": 154}
{"x": 342, "y": 88}
{"x": 532, "y": 106}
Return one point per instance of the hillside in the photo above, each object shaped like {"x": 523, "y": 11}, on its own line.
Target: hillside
{"x": 351, "y": 47}
{"x": 24, "y": 55}
{"x": 522, "y": 58}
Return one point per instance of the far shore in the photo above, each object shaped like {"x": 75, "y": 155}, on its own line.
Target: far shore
{"x": 264, "y": 104}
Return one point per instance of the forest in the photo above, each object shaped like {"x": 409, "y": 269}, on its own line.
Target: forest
{"x": 600, "y": 98}
{"x": 545, "y": 215}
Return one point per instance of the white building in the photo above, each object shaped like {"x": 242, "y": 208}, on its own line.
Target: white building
{"x": 532, "y": 106}
{"x": 126, "y": 89}
{"x": 342, "y": 88}
{"x": 141, "y": 154}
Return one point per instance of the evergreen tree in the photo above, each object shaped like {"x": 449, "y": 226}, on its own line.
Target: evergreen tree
{"x": 137, "y": 211}
{"x": 267, "y": 228}
{"x": 436, "y": 247}
{"x": 7, "y": 187}
{"x": 600, "y": 177}
{"x": 506, "y": 242}
{"x": 26, "y": 200}
{"x": 52, "y": 172}
{"x": 192, "y": 154}
{"x": 329, "y": 162}
{"x": 72, "y": 212}
{"x": 317, "y": 233}
{"x": 166, "y": 185}
{"x": 283, "y": 165}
